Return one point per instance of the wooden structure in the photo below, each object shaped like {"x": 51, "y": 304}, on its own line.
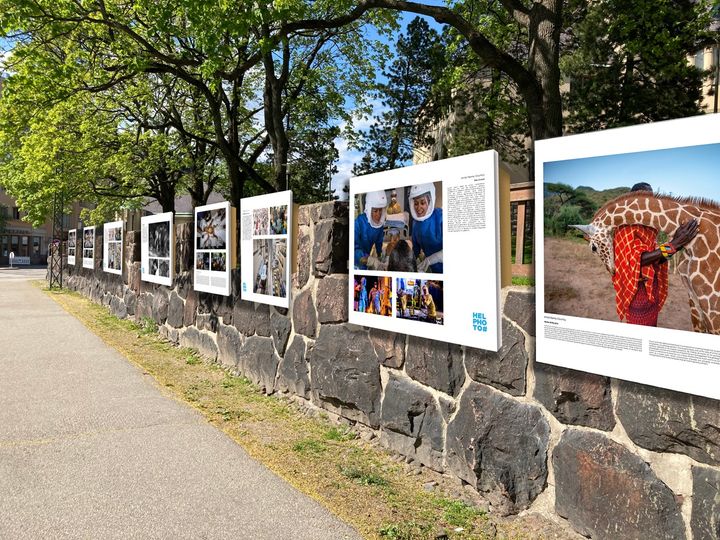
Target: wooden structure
{"x": 522, "y": 206}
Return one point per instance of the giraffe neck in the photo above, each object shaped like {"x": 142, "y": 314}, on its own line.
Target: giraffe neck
{"x": 661, "y": 215}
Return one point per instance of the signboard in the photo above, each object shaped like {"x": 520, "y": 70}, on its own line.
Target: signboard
{"x": 88, "y": 247}
{"x": 266, "y": 247}
{"x": 157, "y": 248}
{"x": 113, "y": 247}
{"x": 214, "y": 248}
{"x": 71, "y": 246}
{"x": 613, "y": 297}
{"x": 425, "y": 251}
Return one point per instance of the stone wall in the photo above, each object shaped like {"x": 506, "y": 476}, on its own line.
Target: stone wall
{"x": 614, "y": 459}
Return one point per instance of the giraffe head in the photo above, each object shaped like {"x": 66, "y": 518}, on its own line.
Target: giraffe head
{"x": 600, "y": 239}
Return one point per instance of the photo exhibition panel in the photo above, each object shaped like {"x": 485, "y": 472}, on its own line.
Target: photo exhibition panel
{"x": 157, "y": 248}
{"x": 424, "y": 251}
{"x": 266, "y": 248}
{"x": 214, "y": 248}
{"x": 628, "y": 262}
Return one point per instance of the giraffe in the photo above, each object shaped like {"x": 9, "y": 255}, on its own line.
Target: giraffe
{"x": 699, "y": 262}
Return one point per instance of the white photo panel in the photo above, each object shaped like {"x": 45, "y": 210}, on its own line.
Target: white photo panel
{"x": 71, "y": 246}
{"x": 214, "y": 240}
{"x": 88, "y": 247}
{"x": 266, "y": 248}
{"x": 113, "y": 247}
{"x": 425, "y": 251}
{"x": 607, "y": 199}
{"x": 157, "y": 249}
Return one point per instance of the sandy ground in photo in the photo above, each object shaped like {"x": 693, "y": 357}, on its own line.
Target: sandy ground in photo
{"x": 577, "y": 284}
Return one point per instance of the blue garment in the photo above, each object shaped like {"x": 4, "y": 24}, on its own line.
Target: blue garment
{"x": 365, "y": 236}
{"x": 363, "y": 300}
{"x": 427, "y": 237}
{"x": 376, "y": 301}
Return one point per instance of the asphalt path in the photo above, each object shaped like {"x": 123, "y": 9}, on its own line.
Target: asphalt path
{"x": 90, "y": 447}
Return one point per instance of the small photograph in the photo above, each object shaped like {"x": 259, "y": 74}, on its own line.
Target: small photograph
{"x": 269, "y": 267}
{"x": 202, "y": 261}
{"x": 89, "y": 238}
{"x": 114, "y": 256}
{"x": 420, "y": 300}
{"x": 400, "y": 229}
{"x": 164, "y": 268}
{"x": 278, "y": 219}
{"x": 373, "y": 294}
{"x": 212, "y": 229}
{"x": 153, "y": 266}
{"x": 71, "y": 239}
{"x": 261, "y": 221}
{"x": 159, "y": 239}
{"x": 115, "y": 233}
{"x": 87, "y": 253}
{"x": 217, "y": 262}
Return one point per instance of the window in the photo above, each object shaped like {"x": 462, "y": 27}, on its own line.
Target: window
{"x": 700, "y": 59}
{"x": 36, "y": 245}
{"x": 4, "y": 246}
{"x": 15, "y": 212}
{"x": 14, "y": 244}
{"x": 24, "y": 247}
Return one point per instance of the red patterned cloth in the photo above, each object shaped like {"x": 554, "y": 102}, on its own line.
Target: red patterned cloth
{"x": 631, "y": 241}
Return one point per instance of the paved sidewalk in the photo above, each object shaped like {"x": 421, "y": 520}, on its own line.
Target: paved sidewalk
{"x": 91, "y": 448}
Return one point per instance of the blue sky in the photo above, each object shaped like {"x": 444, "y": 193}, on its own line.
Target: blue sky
{"x": 686, "y": 171}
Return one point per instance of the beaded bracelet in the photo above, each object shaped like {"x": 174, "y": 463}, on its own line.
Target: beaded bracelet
{"x": 667, "y": 250}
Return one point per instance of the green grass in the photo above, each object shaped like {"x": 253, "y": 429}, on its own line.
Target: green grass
{"x": 524, "y": 281}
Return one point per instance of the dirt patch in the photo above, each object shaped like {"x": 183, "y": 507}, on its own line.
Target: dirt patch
{"x": 577, "y": 284}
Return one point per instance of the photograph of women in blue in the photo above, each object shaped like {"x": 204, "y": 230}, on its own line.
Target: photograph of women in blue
{"x": 427, "y": 228}
{"x": 369, "y": 231}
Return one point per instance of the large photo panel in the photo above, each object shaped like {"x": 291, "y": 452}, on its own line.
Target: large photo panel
{"x": 628, "y": 265}
{"x": 157, "y": 249}
{"x": 113, "y": 247}
{"x": 88, "y": 247}
{"x": 214, "y": 248}
{"x": 425, "y": 251}
{"x": 266, "y": 248}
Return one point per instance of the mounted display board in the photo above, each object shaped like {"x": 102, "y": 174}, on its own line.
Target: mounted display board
{"x": 612, "y": 293}
{"x": 214, "y": 248}
{"x": 88, "y": 247}
{"x": 71, "y": 246}
{"x": 425, "y": 251}
{"x": 266, "y": 247}
{"x": 157, "y": 248}
{"x": 113, "y": 247}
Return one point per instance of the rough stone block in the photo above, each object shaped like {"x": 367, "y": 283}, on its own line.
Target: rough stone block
{"x": 176, "y": 310}
{"x": 280, "y": 327}
{"x": 519, "y": 307}
{"x": 303, "y": 259}
{"x": 606, "y": 491}
{"x": 200, "y": 341}
{"x": 575, "y": 397}
{"x": 160, "y": 306}
{"x": 132, "y": 247}
{"x": 411, "y": 421}
{"x": 262, "y": 320}
{"x": 330, "y": 248}
{"x": 303, "y": 313}
{"x": 346, "y": 374}
{"x": 667, "y": 421}
{"x": 118, "y": 308}
{"x": 184, "y": 248}
{"x": 499, "y": 446}
{"x": 505, "y": 369}
{"x": 130, "y": 300}
{"x": 389, "y": 347}
{"x": 144, "y": 307}
{"x": 303, "y": 215}
{"x": 332, "y": 299}
{"x": 328, "y": 210}
{"x": 184, "y": 282}
{"x": 293, "y": 375}
{"x": 435, "y": 363}
{"x": 705, "y": 519}
{"x": 229, "y": 342}
{"x": 258, "y": 362}
{"x": 244, "y": 317}
{"x": 190, "y": 308}
{"x": 206, "y": 321}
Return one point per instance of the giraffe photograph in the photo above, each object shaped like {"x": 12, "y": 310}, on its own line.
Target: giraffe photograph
{"x": 633, "y": 238}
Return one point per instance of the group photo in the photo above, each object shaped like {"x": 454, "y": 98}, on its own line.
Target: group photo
{"x": 400, "y": 229}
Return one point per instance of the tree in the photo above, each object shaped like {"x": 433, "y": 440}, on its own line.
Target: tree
{"x": 628, "y": 63}
{"x": 406, "y": 95}
{"x": 534, "y": 70}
